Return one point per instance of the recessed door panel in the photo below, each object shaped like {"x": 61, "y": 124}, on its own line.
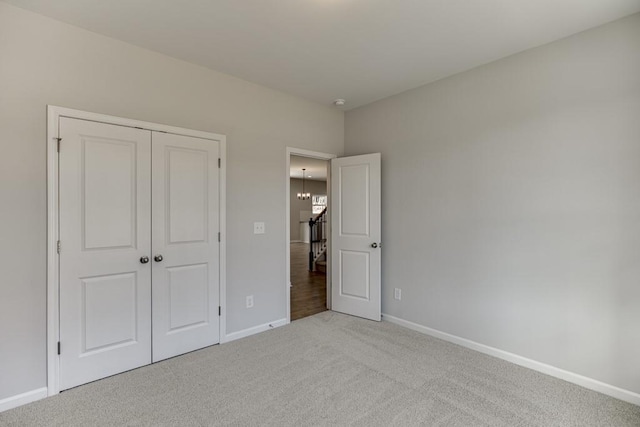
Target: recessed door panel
{"x": 354, "y": 200}
{"x": 187, "y": 195}
{"x": 108, "y": 192}
{"x": 188, "y": 289}
{"x": 109, "y": 311}
{"x": 354, "y": 274}
{"x": 186, "y": 270}
{"x": 105, "y": 229}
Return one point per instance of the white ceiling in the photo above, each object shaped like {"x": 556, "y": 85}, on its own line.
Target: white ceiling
{"x": 360, "y": 50}
{"x": 316, "y": 168}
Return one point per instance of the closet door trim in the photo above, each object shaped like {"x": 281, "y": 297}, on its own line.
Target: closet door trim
{"x": 54, "y": 113}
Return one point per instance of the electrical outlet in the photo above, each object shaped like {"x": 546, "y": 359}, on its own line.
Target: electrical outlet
{"x": 258, "y": 228}
{"x": 250, "y": 301}
{"x": 397, "y": 294}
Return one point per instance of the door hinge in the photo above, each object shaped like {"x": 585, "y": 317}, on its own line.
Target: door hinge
{"x": 219, "y": 311}
{"x": 58, "y": 144}
{"x": 59, "y": 246}
{"x": 58, "y": 347}
{"x": 219, "y": 163}
{"x": 219, "y": 236}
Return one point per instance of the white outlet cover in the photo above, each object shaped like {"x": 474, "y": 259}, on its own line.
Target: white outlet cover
{"x": 250, "y": 301}
{"x": 258, "y": 228}
{"x": 397, "y": 294}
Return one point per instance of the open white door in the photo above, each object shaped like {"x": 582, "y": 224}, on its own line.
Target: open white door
{"x": 356, "y": 235}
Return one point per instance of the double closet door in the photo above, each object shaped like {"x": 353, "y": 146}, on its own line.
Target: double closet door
{"x": 139, "y": 251}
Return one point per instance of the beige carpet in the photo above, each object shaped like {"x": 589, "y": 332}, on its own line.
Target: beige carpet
{"x": 329, "y": 369}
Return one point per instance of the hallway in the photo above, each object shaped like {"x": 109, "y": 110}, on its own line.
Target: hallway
{"x": 308, "y": 291}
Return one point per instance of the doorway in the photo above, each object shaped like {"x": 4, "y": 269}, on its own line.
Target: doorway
{"x": 353, "y": 233}
{"x": 308, "y": 244}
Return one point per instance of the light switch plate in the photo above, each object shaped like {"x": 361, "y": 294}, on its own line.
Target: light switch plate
{"x": 258, "y": 228}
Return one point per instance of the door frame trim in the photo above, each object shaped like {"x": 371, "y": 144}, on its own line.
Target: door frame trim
{"x": 314, "y": 155}
{"x": 54, "y": 113}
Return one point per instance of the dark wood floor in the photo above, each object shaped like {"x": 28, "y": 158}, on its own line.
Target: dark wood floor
{"x": 309, "y": 289}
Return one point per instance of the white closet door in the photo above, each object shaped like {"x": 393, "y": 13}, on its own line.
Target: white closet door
{"x": 105, "y": 290}
{"x": 185, "y": 244}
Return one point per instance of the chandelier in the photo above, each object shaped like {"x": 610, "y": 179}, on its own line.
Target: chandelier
{"x": 303, "y": 195}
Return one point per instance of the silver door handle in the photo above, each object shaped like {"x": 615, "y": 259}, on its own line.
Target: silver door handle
{"x": 144, "y": 259}
{"x": 374, "y": 245}
{"x": 158, "y": 258}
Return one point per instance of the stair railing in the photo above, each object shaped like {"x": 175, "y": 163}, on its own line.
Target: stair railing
{"x": 317, "y": 237}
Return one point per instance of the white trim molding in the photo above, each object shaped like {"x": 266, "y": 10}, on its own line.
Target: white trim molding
{"x": 53, "y": 361}
{"x": 581, "y": 380}
{"x": 223, "y": 238}
{"x": 22, "y": 399}
{"x": 54, "y": 114}
{"x": 254, "y": 330}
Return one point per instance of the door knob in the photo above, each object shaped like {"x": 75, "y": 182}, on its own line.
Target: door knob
{"x": 374, "y": 245}
{"x": 144, "y": 259}
{"x": 158, "y": 258}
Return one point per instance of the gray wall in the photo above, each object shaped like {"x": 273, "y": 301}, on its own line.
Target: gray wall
{"x": 511, "y": 202}
{"x": 296, "y": 205}
{"x": 42, "y": 62}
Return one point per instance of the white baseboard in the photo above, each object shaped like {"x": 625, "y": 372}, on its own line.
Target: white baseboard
{"x": 254, "y": 330}
{"x": 296, "y": 241}
{"x": 586, "y": 382}
{"x": 23, "y": 399}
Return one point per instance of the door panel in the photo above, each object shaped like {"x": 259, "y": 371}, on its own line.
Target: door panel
{"x": 354, "y": 268}
{"x": 186, "y": 194}
{"x": 185, "y": 229}
{"x": 108, "y": 193}
{"x": 188, "y": 296}
{"x": 105, "y": 212}
{"x": 354, "y": 200}
{"x": 355, "y": 236}
{"x": 109, "y": 311}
